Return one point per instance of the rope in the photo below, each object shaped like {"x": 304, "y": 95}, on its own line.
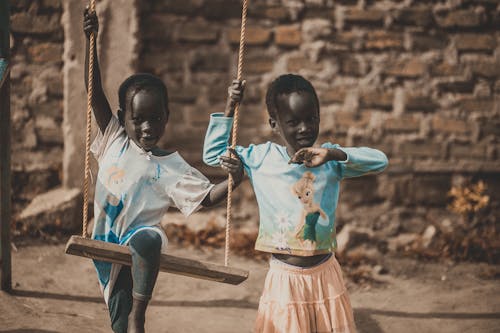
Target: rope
{"x": 90, "y": 93}
{"x": 235, "y": 132}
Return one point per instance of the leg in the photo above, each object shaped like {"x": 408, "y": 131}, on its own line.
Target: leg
{"x": 145, "y": 247}
{"x": 120, "y": 301}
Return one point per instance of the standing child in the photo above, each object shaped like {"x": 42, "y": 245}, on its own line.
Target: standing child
{"x": 297, "y": 189}
{"x": 136, "y": 184}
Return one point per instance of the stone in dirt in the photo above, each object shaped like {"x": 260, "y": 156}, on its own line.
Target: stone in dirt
{"x": 60, "y": 207}
{"x": 351, "y": 236}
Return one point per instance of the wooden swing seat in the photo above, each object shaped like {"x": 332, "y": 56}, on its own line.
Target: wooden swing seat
{"x": 119, "y": 254}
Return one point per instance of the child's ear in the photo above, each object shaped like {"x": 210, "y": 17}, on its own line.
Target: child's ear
{"x": 121, "y": 116}
{"x": 273, "y": 124}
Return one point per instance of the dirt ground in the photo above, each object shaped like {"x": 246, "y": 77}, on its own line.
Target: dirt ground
{"x": 54, "y": 292}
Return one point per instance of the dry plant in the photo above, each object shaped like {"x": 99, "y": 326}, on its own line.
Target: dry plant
{"x": 468, "y": 200}
{"x": 475, "y": 236}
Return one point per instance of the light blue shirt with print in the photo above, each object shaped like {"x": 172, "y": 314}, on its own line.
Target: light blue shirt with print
{"x": 296, "y": 204}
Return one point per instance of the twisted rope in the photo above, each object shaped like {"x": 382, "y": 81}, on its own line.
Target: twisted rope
{"x": 90, "y": 92}
{"x": 235, "y": 132}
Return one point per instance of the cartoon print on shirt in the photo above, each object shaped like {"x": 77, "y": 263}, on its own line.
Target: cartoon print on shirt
{"x": 280, "y": 238}
{"x": 115, "y": 175}
{"x": 306, "y": 228}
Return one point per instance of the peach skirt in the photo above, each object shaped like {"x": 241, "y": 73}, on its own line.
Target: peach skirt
{"x": 304, "y": 300}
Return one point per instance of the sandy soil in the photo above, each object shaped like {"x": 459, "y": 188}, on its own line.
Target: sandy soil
{"x": 54, "y": 292}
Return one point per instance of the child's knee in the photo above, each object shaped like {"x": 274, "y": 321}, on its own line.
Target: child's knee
{"x": 147, "y": 242}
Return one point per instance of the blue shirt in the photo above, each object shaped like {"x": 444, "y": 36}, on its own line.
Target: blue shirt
{"x": 296, "y": 204}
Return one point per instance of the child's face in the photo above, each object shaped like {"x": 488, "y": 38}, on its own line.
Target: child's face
{"x": 145, "y": 121}
{"x": 297, "y": 120}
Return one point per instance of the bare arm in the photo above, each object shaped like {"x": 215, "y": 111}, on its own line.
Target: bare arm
{"x": 100, "y": 104}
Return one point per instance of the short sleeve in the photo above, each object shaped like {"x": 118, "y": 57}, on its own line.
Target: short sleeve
{"x": 189, "y": 188}
{"x": 102, "y": 141}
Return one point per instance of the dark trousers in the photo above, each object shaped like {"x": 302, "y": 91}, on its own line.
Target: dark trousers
{"x": 136, "y": 281}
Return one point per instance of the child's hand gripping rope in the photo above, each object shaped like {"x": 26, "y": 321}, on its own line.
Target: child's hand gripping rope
{"x": 90, "y": 23}
{"x": 231, "y": 163}
{"x": 234, "y": 96}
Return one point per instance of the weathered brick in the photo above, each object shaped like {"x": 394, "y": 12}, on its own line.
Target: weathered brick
{"x": 456, "y": 86}
{"x": 364, "y": 16}
{"x": 421, "y": 17}
{"x": 222, "y": 9}
{"x": 53, "y": 4}
{"x": 352, "y": 66}
{"x": 446, "y": 69}
{"x": 55, "y": 86}
{"x": 486, "y": 68}
{"x": 419, "y": 102}
{"x": 159, "y": 27}
{"x": 477, "y": 105}
{"x": 449, "y": 125}
{"x": 410, "y": 69}
{"x": 460, "y": 151}
{"x": 273, "y": 12}
{"x": 344, "y": 120}
{"x": 163, "y": 61}
{"x": 384, "y": 40}
{"x": 52, "y": 108}
{"x": 20, "y": 4}
{"x": 429, "y": 41}
{"x": 420, "y": 149}
{"x": 333, "y": 95}
{"x": 490, "y": 127}
{"x": 317, "y": 28}
{"x": 253, "y": 36}
{"x": 377, "y": 99}
{"x": 186, "y": 7}
{"x": 468, "y": 18}
{"x": 183, "y": 94}
{"x": 315, "y": 12}
{"x": 431, "y": 190}
{"x": 198, "y": 32}
{"x": 288, "y": 35}
{"x": 297, "y": 63}
{"x": 403, "y": 123}
{"x": 259, "y": 64}
{"x": 48, "y": 130}
{"x": 26, "y": 22}
{"x": 46, "y": 52}
{"x": 347, "y": 40}
{"x": 475, "y": 42}
{"x": 210, "y": 61}
{"x": 26, "y": 184}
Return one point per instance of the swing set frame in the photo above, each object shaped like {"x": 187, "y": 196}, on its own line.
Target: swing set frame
{"x": 5, "y": 155}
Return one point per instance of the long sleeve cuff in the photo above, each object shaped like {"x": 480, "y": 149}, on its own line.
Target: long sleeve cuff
{"x": 216, "y": 138}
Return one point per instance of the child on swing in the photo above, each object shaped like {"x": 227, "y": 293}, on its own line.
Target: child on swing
{"x": 297, "y": 189}
{"x": 136, "y": 184}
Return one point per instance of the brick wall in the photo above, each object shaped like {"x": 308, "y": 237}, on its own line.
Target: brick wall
{"x": 420, "y": 82}
{"x": 36, "y": 97}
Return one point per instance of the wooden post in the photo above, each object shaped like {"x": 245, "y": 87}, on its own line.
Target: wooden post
{"x": 5, "y": 187}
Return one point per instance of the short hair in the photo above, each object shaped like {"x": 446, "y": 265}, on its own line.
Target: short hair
{"x": 287, "y": 84}
{"x": 139, "y": 82}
